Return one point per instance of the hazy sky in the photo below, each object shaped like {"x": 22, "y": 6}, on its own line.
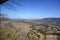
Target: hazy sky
{"x": 32, "y": 9}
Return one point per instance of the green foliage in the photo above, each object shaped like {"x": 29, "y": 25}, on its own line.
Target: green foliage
{"x": 5, "y": 34}
{"x": 58, "y": 34}
{"x": 32, "y": 26}
{"x": 41, "y": 31}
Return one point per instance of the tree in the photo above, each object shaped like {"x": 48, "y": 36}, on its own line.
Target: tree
{"x": 3, "y": 1}
{"x": 9, "y": 5}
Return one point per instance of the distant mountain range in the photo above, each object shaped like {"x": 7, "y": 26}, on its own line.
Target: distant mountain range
{"x": 51, "y": 20}
{"x": 47, "y": 20}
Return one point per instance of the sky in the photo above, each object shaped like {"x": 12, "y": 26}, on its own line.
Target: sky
{"x": 31, "y": 9}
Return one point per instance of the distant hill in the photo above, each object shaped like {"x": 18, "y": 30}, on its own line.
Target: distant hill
{"x": 44, "y": 20}
{"x": 48, "y": 20}
{"x": 51, "y": 19}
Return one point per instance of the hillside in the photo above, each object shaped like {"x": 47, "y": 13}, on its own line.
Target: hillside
{"x": 29, "y": 30}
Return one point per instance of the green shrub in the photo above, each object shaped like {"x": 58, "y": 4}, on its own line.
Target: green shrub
{"x": 5, "y": 34}
{"x": 41, "y": 31}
